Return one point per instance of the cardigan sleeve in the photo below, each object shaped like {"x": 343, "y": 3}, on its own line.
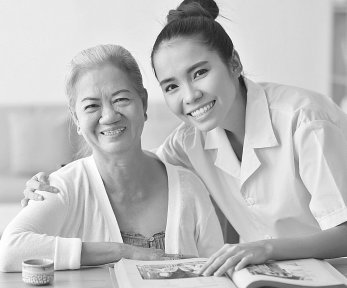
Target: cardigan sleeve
{"x": 33, "y": 234}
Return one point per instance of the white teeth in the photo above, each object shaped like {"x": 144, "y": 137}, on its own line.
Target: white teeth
{"x": 113, "y": 132}
{"x": 201, "y": 111}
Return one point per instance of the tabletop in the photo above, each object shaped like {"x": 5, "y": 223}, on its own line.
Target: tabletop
{"x": 100, "y": 277}
{"x": 84, "y": 278}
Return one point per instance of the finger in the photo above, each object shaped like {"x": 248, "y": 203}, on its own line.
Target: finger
{"x": 244, "y": 262}
{"x": 42, "y": 177}
{"x": 34, "y": 184}
{"x": 31, "y": 195}
{"x": 229, "y": 264}
{"x": 214, "y": 256}
{"x": 216, "y": 265}
{"x": 210, "y": 261}
{"x": 24, "y": 202}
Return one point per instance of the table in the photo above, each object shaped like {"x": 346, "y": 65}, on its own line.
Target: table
{"x": 84, "y": 278}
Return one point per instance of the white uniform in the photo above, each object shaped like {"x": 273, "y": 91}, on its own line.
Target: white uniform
{"x": 292, "y": 179}
{"x": 55, "y": 228}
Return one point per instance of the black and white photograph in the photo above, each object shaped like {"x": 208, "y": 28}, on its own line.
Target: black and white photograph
{"x": 169, "y": 130}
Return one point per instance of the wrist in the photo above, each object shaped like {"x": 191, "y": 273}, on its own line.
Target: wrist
{"x": 269, "y": 249}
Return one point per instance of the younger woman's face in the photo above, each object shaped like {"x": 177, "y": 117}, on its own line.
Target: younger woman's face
{"x": 197, "y": 85}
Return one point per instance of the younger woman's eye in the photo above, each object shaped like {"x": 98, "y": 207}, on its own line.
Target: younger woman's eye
{"x": 170, "y": 87}
{"x": 200, "y": 72}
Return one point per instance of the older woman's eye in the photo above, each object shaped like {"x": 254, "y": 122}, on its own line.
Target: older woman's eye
{"x": 200, "y": 72}
{"x": 170, "y": 87}
{"x": 121, "y": 101}
{"x": 91, "y": 106}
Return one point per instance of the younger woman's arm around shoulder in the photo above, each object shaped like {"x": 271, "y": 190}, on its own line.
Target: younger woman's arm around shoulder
{"x": 330, "y": 243}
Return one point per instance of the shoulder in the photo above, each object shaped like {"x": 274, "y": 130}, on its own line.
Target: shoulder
{"x": 187, "y": 184}
{"x": 68, "y": 178}
{"x": 301, "y": 105}
{"x": 183, "y": 134}
{"x": 294, "y": 98}
{"x": 72, "y": 170}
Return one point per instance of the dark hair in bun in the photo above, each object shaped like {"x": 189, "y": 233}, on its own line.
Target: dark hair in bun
{"x": 196, "y": 18}
{"x": 189, "y": 8}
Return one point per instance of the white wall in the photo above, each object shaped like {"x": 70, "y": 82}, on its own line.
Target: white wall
{"x": 285, "y": 41}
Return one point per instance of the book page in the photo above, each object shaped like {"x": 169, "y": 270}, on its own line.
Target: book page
{"x": 168, "y": 274}
{"x": 303, "y": 273}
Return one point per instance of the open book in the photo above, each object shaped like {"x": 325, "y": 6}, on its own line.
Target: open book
{"x": 183, "y": 273}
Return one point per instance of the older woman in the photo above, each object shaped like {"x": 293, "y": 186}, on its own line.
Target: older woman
{"x": 119, "y": 195}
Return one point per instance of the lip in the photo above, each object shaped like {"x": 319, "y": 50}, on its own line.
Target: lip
{"x": 211, "y": 104}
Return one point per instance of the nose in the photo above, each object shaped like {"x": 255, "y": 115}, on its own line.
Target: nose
{"x": 109, "y": 115}
{"x": 192, "y": 94}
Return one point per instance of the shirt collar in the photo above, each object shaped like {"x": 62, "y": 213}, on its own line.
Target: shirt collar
{"x": 258, "y": 131}
{"x": 258, "y": 134}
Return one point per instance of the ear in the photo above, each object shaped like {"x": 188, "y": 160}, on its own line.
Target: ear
{"x": 75, "y": 120}
{"x": 145, "y": 102}
{"x": 235, "y": 64}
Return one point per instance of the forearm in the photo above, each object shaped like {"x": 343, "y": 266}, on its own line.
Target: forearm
{"x": 326, "y": 244}
{"x": 98, "y": 253}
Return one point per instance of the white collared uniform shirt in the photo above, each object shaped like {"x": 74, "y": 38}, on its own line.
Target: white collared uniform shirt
{"x": 292, "y": 179}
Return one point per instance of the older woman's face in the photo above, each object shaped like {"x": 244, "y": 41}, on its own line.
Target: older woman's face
{"x": 109, "y": 111}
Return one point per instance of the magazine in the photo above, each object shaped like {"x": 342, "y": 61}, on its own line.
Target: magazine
{"x": 184, "y": 273}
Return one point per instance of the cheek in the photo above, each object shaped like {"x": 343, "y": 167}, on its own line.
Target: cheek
{"x": 87, "y": 122}
{"x": 173, "y": 103}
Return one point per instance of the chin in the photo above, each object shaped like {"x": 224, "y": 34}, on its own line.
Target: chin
{"x": 205, "y": 126}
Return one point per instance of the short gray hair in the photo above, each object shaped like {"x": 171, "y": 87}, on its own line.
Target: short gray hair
{"x": 100, "y": 55}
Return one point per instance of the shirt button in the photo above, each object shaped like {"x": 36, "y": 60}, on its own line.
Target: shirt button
{"x": 151, "y": 239}
{"x": 250, "y": 201}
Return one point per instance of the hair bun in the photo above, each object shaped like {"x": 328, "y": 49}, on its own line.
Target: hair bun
{"x": 189, "y": 8}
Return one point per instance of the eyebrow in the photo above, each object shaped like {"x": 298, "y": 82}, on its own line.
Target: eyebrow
{"x": 120, "y": 91}
{"x": 90, "y": 98}
{"x": 190, "y": 69}
{"x": 98, "y": 99}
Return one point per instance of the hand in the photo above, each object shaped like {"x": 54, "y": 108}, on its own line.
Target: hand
{"x": 38, "y": 182}
{"x": 236, "y": 256}
{"x": 139, "y": 253}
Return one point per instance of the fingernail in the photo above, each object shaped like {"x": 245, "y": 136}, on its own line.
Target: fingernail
{"x": 39, "y": 198}
{"x": 56, "y": 190}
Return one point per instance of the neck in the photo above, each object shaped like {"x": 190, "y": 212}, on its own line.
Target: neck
{"x": 234, "y": 123}
{"x": 124, "y": 175}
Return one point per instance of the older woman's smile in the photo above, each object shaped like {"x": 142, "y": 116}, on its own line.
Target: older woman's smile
{"x": 112, "y": 132}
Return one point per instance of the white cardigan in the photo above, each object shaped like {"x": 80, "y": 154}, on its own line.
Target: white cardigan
{"x": 56, "y": 227}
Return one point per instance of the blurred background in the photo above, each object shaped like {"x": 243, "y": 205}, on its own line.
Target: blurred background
{"x": 296, "y": 42}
